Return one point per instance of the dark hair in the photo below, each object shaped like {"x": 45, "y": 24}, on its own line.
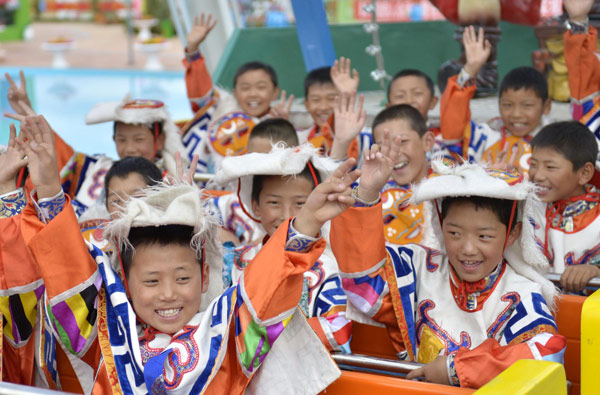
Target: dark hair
{"x": 258, "y": 180}
{"x": 124, "y": 167}
{"x": 405, "y": 112}
{"x": 500, "y": 207}
{"x": 276, "y": 130}
{"x": 525, "y": 78}
{"x": 255, "y": 65}
{"x": 150, "y": 128}
{"x": 411, "y": 73}
{"x": 163, "y": 235}
{"x": 572, "y": 139}
{"x": 320, "y": 76}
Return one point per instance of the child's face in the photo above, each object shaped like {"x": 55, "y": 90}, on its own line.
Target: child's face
{"x": 136, "y": 140}
{"x": 474, "y": 240}
{"x": 554, "y": 173}
{"x": 320, "y": 102}
{"x": 259, "y": 144}
{"x": 254, "y": 92}
{"x": 280, "y": 199}
{"x": 166, "y": 285}
{"x": 412, "y": 90}
{"x": 521, "y": 110}
{"x": 412, "y": 164}
{"x": 121, "y": 189}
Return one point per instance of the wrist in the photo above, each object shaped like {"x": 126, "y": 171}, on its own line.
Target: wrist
{"x": 367, "y": 194}
{"x": 307, "y": 226}
{"x": 472, "y": 69}
{"x": 47, "y": 191}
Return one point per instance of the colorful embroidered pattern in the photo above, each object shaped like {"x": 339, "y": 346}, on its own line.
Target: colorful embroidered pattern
{"x": 297, "y": 242}
{"x": 19, "y": 308}
{"x": 12, "y": 204}
{"x": 50, "y": 208}
{"x": 452, "y": 375}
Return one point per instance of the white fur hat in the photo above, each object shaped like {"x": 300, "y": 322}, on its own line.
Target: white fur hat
{"x": 237, "y": 172}
{"x": 142, "y": 112}
{"x": 469, "y": 179}
{"x": 173, "y": 205}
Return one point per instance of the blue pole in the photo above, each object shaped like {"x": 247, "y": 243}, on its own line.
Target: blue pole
{"x": 313, "y": 33}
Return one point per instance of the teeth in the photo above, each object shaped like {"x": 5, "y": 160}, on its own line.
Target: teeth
{"x": 400, "y": 165}
{"x": 519, "y": 125}
{"x": 470, "y": 263}
{"x": 168, "y": 312}
{"x": 253, "y": 104}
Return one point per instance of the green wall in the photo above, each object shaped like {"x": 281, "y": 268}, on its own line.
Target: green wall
{"x": 420, "y": 45}
{"x": 22, "y": 19}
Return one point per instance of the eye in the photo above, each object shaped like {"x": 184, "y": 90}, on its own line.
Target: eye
{"x": 486, "y": 237}
{"x": 300, "y": 203}
{"x": 182, "y": 280}
{"x": 272, "y": 202}
{"x": 453, "y": 233}
{"x": 150, "y": 283}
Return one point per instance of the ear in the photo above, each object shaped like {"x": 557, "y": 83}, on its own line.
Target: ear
{"x": 275, "y": 94}
{"x": 433, "y": 102}
{"x": 547, "y": 106}
{"x": 255, "y": 209}
{"x": 428, "y": 140}
{"x": 515, "y": 233}
{"x": 205, "y": 277}
{"x": 387, "y": 104}
{"x": 585, "y": 174}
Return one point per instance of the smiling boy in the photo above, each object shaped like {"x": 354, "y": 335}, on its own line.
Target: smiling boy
{"x": 522, "y": 102}
{"x": 566, "y": 224}
{"x": 467, "y": 311}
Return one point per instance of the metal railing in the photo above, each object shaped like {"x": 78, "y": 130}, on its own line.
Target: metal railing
{"x": 380, "y": 364}
{"x": 555, "y": 278}
{"x": 203, "y": 177}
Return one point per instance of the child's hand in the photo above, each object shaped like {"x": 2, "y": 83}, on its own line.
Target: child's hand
{"x": 11, "y": 162}
{"x": 506, "y": 161}
{"x": 477, "y": 50}
{"x": 377, "y": 167}
{"x": 187, "y": 178}
{"x": 434, "y": 372}
{"x": 41, "y": 156}
{"x": 202, "y": 26}
{"x": 349, "y": 121}
{"x": 283, "y": 107}
{"x": 343, "y": 80}
{"x": 578, "y": 10}
{"x": 576, "y": 277}
{"x": 27, "y": 112}
{"x": 328, "y": 200}
{"x": 17, "y": 94}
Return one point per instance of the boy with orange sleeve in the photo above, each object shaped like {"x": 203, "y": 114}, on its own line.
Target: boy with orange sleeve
{"x": 161, "y": 322}
{"x": 469, "y": 310}
{"x": 583, "y": 64}
{"x": 523, "y": 100}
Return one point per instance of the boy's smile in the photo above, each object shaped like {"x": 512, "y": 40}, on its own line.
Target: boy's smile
{"x": 474, "y": 240}
{"x": 412, "y": 165}
{"x": 254, "y": 92}
{"x": 136, "y": 140}
{"x": 412, "y": 90}
{"x": 320, "y": 102}
{"x": 166, "y": 284}
{"x": 554, "y": 174}
{"x": 521, "y": 110}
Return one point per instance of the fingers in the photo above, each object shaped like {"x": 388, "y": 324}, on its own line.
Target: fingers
{"x": 416, "y": 373}
{"x": 288, "y": 105}
{"x": 12, "y": 136}
{"x": 28, "y": 110}
{"x": 22, "y": 75}
{"x": 386, "y": 143}
{"x": 189, "y": 177}
{"x": 178, "y": 166}
{"x": 11, "y": 82}
{"x": 16, "y": 117}
{"x": 344, "y": 168}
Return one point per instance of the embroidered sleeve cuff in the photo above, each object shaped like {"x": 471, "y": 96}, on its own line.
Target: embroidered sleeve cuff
{"x": 464, "y": 79}
{"x": 49, "y": 208}
{"x": 363, "y": 203}
{"x": 192, "y": 56}
{"x": 12, "y": 203}
{"x": 578, "y": 27}
{"x": 298, "y": 242}
{"x": 452, "y": 376}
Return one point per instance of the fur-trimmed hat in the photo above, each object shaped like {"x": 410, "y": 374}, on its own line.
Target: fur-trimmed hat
{"x": 469, "y": 179}
{"x": 237, "y": 172}
{"x": 142, "y": 112}
{"x": 180, "y": 204}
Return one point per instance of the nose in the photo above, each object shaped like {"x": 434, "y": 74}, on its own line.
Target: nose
{"x": 129, "y": 149}
{"x": 287, "y": 211}
{"x": 468, "y": 247}
{"x": 167, "y": 291}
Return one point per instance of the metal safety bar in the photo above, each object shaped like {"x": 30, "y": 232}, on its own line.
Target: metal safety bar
{"x": 16, "y": 389}
{"x": 381, "y": 364}
{"x": 203, "y": 177}
{"x": 555, "y": 278}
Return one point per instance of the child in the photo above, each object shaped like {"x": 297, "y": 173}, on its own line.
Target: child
{"x": 272, "y": 188}
{"x": 468, "y": 311}
{"x": 413, "y": 87}
{"x": 323, "y": 88}
{"x": 404, "y": 221}
{"x": 221, "y": 123}
{"x": 158, "y": 328}
{"x": 522, "y": 103}
{"x": 237, "y": 226}
{"x": 583, "y": 64}
{"x": 566, "y": 225}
